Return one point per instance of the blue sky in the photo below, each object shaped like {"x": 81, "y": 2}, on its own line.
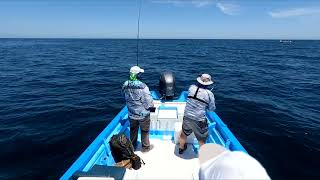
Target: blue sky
{"x": 245, "y": 19}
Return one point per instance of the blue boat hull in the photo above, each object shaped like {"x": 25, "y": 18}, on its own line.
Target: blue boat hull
{"x": 99, "y": 150}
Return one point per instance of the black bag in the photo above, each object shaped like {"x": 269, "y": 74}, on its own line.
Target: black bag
{"x": 136, "y": 162}
{"x": 121, "y": 147}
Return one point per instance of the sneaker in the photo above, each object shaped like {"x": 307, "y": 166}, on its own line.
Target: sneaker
{"x": 184, "y": 148}
{"x": 147, "y": 149}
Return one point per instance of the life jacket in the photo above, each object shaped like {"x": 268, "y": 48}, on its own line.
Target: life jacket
{"x": 196, "y": 98}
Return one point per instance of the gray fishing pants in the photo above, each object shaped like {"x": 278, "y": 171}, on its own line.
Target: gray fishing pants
{"x": 144, "y": 125}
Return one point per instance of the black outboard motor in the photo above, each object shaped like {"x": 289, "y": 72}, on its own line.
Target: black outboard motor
{"x": 167, "y": 85}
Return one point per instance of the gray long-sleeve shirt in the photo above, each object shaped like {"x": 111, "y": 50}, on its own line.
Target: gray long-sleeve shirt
{"x": 138, "y": 99}
{"x": 197, "y": 106}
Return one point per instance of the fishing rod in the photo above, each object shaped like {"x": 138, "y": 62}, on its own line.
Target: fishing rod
{"x": 138, "y": 32}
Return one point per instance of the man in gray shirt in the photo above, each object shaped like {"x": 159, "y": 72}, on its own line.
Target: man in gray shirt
{"x": 139, "y": 101}
{"x": 200, "y": 99}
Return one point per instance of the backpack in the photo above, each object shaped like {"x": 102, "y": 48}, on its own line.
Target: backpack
{"x": 136, "y": 162}
{"x": 121, "y": 147}
{"x": 122, "y": 150}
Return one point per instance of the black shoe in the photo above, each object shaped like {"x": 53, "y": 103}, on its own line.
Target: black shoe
{"x": 147, "y": 149}
{"x": 182, "y": 150}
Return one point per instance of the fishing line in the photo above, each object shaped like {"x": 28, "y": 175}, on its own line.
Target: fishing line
{"x": 138, "y": 32}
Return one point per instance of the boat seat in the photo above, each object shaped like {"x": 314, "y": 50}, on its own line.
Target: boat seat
{"x": 100, "y": 172}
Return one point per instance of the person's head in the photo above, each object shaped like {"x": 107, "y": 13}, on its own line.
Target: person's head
{"x": 134, "y": 72}
{"x": 217, "y": 162}
{"x": 204, "y": 80}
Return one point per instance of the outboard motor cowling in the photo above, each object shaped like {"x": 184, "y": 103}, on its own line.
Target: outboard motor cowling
{"x": 167, "y": 85}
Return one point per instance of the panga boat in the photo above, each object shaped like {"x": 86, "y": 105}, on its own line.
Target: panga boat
{"x": 163, "y": 161}
{"x": 286, "y": 41}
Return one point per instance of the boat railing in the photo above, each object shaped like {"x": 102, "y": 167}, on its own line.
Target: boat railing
{"x": 226, "y": 137}
{"x": 99, "y": 149}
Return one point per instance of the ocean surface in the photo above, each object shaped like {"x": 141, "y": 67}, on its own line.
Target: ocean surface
{"x": 57, "y": 95}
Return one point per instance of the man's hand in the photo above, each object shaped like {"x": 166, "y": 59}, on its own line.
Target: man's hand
{"x": 152, "y": 109}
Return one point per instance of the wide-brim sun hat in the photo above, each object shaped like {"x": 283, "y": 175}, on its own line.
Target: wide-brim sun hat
{"x": 205, "y": 79}
{"x": 136, "y": 70}
{"x": 217, "y": 162}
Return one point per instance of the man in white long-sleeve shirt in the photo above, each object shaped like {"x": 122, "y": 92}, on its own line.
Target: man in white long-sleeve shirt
{"x": 139, "y": 101}
{"x": 200, "y": 99}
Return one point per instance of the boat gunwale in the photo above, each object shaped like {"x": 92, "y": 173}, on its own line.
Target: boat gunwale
{"x": 90, "y": 151}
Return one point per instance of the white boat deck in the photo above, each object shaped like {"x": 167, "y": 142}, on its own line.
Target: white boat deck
{"x": 164, "y": 162}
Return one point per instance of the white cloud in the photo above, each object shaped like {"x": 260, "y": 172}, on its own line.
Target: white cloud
{"x": 197, "y": 3}
{"x": 228, "y": 8}
{"x": 294, "y": 12}
{"x": 201, "y": 3}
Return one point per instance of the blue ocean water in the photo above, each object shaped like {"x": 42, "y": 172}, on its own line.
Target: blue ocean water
{"x": 56, "y": 95}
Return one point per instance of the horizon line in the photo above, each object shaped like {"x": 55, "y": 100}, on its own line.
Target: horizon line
{"x": 93, "y": 38}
